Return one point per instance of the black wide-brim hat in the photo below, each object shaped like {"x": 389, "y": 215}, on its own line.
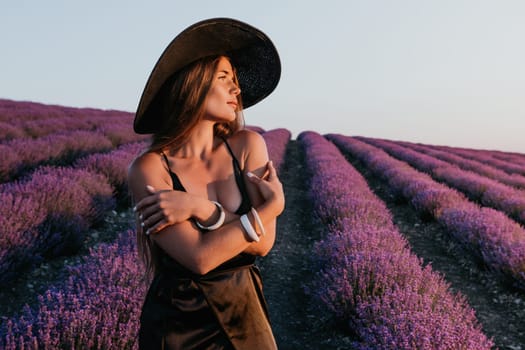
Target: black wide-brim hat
{"x": 252, "y": 53}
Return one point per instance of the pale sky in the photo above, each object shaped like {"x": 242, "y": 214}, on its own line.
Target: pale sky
{"x": 449, "y": 72}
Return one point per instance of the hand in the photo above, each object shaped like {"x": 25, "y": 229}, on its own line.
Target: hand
{"x": 270, "y": 187}
{"x": 163, "y": 208}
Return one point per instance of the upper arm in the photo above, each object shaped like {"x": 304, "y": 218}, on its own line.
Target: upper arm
{"x": 176, "y": 240}
{"x": 146, "y": 169}
{"x": 255, "y": 157}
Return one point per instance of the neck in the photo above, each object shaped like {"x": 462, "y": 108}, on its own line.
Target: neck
{"x": 200, "y": 145}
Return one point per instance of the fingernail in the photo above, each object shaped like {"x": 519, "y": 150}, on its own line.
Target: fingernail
{"x": 135, "y": 208}
{"x": 150, "y": 188}
{"x": 147, "y": 232}
{"x": 142, "y": 224}
{"x": 140, "y": 217}
{"x": 250, "y": 174}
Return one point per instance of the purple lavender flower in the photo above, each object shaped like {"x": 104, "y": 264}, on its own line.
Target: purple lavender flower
{"x": 276, "y": 141}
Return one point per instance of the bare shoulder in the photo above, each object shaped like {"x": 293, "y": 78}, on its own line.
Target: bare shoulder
{"x": 250, "y": 148}
{"x": 147, "y": 169}
{"x": 146, "y": 161}
{"x": 245, "y": 142}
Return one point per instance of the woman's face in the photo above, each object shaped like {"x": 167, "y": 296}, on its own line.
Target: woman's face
{"x": 221, "y": 101}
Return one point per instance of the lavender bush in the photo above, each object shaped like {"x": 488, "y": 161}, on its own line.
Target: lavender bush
{"x": 495, "y": 238}
{"x": 97, "y": 307}
{"x": 255, "y": 128}
{"x": 9, "y": 132}
{"x": 276, "y": 142}
{"x": 114, "y": 166}
{"x": 120, "y": 132}
{"x": 57, "y": 148}
{"x": 36, "y": 128}
{"x": 366, "y": 274}
{"x": 20, "y": 217}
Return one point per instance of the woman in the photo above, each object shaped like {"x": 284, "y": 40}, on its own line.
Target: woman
{"x": 206, "y": 196}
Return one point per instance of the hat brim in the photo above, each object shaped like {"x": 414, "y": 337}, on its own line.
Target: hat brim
{"x": 252, "y": 53}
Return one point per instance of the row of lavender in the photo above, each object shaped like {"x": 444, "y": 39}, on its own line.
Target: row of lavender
{"x": 49, "y": 212}
{"x": 35, "y": 128}
{"x": 492, "y": 157}
{"x": 491, "y": 235}
{"x": 30, "y": 119}
{"x": 516, "y": 158}
{"x": 20, "y": 155}
{"x": 481, "y": 168}
{"x": 366, "y": 274}
{"x": 98, "y": 306}
{"x": 478, "y": 188}
{"x": 510, "y": 163}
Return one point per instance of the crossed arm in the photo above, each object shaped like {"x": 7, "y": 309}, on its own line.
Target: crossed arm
{"x": 168, "y": 214}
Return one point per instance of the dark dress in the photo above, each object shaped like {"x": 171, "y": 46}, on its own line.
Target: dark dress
{"x": 223, "y": 309}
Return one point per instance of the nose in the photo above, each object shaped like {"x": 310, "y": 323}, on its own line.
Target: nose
{"x": 235, "y": 89}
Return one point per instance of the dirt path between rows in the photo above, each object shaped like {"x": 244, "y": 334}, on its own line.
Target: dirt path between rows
{"x": 297, "y": 324}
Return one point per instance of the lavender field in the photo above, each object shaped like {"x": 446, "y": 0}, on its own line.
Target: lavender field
{"x": 383, "y": 244}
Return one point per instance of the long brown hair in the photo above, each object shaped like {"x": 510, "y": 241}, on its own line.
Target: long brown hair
{"x": 182, "y": 98}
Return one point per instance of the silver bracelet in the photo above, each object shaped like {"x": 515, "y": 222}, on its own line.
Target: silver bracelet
{"x": 248, "y": 228}
{"x": 219, "y": 222}
{"x": 258, "y": 221}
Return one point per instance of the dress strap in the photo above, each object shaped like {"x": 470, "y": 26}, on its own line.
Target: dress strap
{"x": 177, "y": 185}
{"x": 246, "y": 203}
{"x": 235, "y": 161}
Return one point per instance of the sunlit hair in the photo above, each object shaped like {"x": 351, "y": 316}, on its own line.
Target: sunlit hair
{"x": 182, "y": 99}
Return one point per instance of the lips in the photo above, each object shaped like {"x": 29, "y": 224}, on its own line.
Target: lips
{"x": 233, "y": 104}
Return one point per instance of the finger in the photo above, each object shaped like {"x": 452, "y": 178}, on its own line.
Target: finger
{"x": 150, "y": 199}
{"x": 145, "y": 202}
{"x": 149, "y": 211}
{"x": 272, "y": 172}
{"x": 152, "y": 220}
{"x": 266, "y": 174}
{"x": 157, "y": 227}
{"x": 253, "y": 178}
{"x": 153, "y": 229}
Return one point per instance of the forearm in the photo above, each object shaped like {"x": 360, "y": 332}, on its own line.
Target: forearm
{"x": 206, "y": 212}
{"x": 217, "y": 246}
{"x": 268, "y": 218}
